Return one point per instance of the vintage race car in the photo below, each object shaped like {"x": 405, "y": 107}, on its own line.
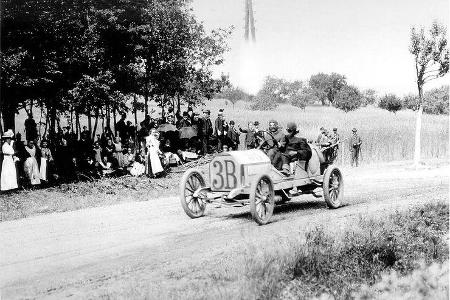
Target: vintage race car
{"x": 247, "y": 177}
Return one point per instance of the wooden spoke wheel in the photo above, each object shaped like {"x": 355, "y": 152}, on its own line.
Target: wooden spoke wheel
{"x": 193, "y": 206}
{"x": 333, "y": 187}
{"x": 262, "y": 199}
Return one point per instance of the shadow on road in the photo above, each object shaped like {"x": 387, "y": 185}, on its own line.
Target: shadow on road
{"x": 282, "y": 209}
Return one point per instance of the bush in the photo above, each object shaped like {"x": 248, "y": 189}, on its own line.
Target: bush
{"x": 436, "y": 101}
{"x": 348, "y": 98}
{"x": 391, "y": 103}
{"x": 411, "y": 101}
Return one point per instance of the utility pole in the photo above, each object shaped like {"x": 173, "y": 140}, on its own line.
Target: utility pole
{"x": 249, "y": 21}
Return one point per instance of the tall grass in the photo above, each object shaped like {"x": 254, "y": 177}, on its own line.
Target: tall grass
{"x": 386, "y": 136}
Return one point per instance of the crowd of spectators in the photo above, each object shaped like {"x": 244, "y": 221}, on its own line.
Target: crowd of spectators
{"x": 151, "y": 149}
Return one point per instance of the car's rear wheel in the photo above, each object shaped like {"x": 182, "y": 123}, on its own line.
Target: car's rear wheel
{"x": 262, "y": 199}
{"x": 333, "y": 187}
{"x": 193, "y": 206}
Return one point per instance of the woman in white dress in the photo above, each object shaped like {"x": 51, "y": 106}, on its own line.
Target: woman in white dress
{"x": 152, "y": 162}
{"x": 31, "y": 166}
{"x": 8, "y": 176}
{"x": 46, "y": 160}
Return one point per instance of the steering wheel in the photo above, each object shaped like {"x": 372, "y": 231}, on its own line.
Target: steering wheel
{"x": 265, "y": 140}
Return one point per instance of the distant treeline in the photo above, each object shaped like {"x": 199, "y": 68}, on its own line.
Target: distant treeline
{"x": 333, "y": 89}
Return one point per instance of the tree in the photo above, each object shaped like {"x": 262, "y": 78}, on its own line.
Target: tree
{"x": 233, "y": 94}
{"x": 436, "y": 101}
{"x": 411, "y": 101}
{"x": 348, "y": 98}
{"x": 326, "y": 86}
{"x": 431, "y": 58}
{"x": 369, "y": 97}
{"x": 391, "y": 103}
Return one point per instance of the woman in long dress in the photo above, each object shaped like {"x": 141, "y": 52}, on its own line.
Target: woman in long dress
{"x": 46, "y": 160}
{"x": 153, "y": 164}
{"x": 8, "y": 176}
{"x": 31, "y": 166}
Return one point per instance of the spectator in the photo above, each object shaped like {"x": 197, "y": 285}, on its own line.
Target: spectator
{"x": 8, "y": 175}
{"x": 108, "y": 152}
{"x": 31, "y": 167}
{"x": 98, "y": 159}
{"x": 121, "y": 128}
{"x": 107, "y": 134}
{"x": 233, "y": 137}
{"x": 249, "y": 135}
{"x": 118, "y": 153}
{"x": 30, "y": 128}
{"x": 65, "y": 161}
{"x": 85, "y": 132}
{"x": 46, "y": 161}
{"x": 219, "y": 130}
{"x": 153, "y": 162}
{"x": 185, "y": 121}
{"x": 129, "y": 157}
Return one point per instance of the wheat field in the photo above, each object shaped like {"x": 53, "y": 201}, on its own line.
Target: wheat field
{"x": 386, "y": 136}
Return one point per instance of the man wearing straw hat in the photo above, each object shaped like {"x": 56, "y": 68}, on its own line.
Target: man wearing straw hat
{"x": 8, "y": 176}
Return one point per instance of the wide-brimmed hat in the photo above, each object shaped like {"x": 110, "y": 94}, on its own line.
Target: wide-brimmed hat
{"x": 9, "y": 134}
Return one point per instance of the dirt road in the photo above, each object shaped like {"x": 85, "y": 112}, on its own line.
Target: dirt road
{"x": 109, "y": 250}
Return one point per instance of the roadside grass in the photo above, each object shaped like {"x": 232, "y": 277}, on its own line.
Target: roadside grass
{"x": 79, "y": 195}
{"x": 334, "y": 266}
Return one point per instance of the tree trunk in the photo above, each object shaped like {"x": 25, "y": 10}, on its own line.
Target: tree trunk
{"x": 77, "y": 123}
{"x": 146, "y": 99}
{"x": 108, "y": 117}
{"x": 47, "y": 121}
{"x": 52, "y": 132}
{"x": 89, "y": 122}
{"x": 103, "y": 120}
{"x": 71, "y": 118}
{"x": 417, "y": 136}
{"x": 40, "y": 119}
{"x": 136, "y": 142}
{"x": 114, "y": 116}
{"x": 418, "y": 130}
{"x": 1, "y": 124}
{"x": 95, "y": 123}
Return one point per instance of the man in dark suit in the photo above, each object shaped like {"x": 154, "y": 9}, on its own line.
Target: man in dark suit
{"x": 233, "y": 137}
{"x": 219, "y": 130}
{"x": 206, "y": 130}
{"x": 296, "y": 148}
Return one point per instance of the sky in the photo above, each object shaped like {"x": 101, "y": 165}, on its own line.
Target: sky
{"x": 367, "y": 41}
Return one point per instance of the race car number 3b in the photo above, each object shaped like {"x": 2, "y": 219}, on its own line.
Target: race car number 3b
{"x": 223, "y": 174}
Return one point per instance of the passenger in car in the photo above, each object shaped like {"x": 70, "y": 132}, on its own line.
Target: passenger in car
{"x": 296, "y": 148}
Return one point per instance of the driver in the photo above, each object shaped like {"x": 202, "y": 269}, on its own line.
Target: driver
{"x": 275, "y": 144}
{"x": 296, "y": 148}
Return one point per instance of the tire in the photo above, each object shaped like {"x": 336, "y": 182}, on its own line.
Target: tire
{"x": 262, "y": 199}
{"x": 333, "y": 187}
{"x": 194, "y": 207}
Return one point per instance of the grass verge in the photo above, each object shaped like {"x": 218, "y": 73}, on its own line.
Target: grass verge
{"x": 346, "y": 266}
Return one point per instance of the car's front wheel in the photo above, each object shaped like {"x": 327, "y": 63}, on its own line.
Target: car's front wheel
{"x": 262, "y": 199}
